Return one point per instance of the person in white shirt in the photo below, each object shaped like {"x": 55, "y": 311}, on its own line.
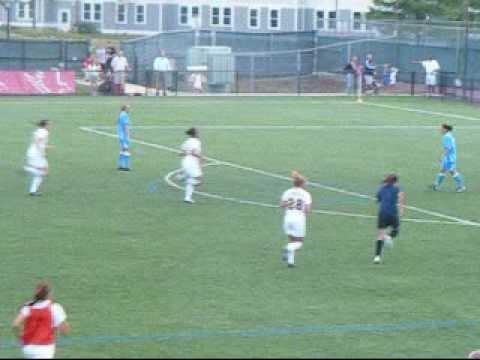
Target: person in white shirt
{"x": 297, "y": 203}
{"x": 120, "y": 70}
{"x": 37, "y": 322}
{"x": 93, "y": 72}
{"x": 191, "y": 150}
{"x": 36, "y": 163}
{"x": 432, "y": 69}
{"x": 162, "y": 69}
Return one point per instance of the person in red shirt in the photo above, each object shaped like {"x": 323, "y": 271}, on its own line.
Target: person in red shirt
{"x": 37, "y": 323}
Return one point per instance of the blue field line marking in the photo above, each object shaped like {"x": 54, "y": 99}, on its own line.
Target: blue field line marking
{"x": 305, "y": 330}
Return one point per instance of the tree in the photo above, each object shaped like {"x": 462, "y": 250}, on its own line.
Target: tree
{"x": 420, "y": 9}
{"x": 406, "y": 9}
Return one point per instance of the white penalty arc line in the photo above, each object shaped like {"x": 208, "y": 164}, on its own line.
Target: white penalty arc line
{"x": 169, "y": 181}
{"x": 277, "y": 176}
{"x": 421, "y": 111}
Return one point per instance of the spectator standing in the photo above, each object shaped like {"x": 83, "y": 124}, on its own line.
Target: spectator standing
{"x": 162, "y": 72}
{"x": 350, "y": 72}
{"x": 94, "y": 71}
{"x": 89, "y": 60}
{"x": 37, "y": 322}
{"x": 101, "y": 55}
{"x": 432, "y": 69}
{"x": 369, "y": 74}
{"x": 120, "y": 70}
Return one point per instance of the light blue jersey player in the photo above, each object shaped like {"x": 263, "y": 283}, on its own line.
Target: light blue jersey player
{"x": 449, "y": 160}
{"x": 123, "y": 124}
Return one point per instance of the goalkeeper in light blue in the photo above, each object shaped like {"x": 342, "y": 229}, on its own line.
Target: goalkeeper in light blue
{"x": 449, "y": 160}
{"x": 123, "y": 124}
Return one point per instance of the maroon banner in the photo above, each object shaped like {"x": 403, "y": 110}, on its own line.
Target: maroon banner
{"x": 37, "y": 82}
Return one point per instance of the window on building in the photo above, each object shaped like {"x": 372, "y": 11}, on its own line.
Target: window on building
{"x": 253, "y": 18}
{"x": 65, "y": 17}
{"x": 87, "y": 11}
{"x": 215, "y": 16}
{"x": 184, "y": 15}
{"x": 320, "y": 19}
{"x": 140, "y": 14}
{"x": 121, "y": 13}
{"x": 357, "y": 21}
{"x": 227, "y": 16}
{"x": 274, "y": 19}
{"x": 195, "y": 12}
{"x": 25, "y": 10}
{"x": 332, "y": 19}
{"x": 97, "y": 12}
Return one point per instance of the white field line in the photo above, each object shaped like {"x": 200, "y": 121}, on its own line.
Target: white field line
{"x": 421, "y": 111}
{"x": 169, "y": 181}
{"x": 277, "y": 176}
{"x": 286, "y": 127}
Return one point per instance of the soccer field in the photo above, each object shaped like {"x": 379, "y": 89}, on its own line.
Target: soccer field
{"x": 141, "y": 274}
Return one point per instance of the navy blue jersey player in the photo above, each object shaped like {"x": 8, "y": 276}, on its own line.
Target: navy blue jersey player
{"x": 391, "y": 202}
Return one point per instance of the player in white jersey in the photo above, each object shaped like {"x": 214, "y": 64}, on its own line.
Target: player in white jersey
{"x": 191, "y": 163}
{"x": 36, "y": 163}
{"x": 297, "y": 203}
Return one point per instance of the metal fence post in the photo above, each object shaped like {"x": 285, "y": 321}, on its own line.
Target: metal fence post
{"x": 412, "y": 83}
{"x": 252, "y": 74}
{"x": 299, "y": 72}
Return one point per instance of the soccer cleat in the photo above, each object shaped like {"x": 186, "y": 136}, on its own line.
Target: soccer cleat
{"x": 123, "y": 169}
{"x": 376, "y": 260}
{"x": 434, "y": 187}
{"x": 461, "y": 189}
{"x": 291, "y": 266}
{"x": 36, "y": 194}
{"x": 189, "y": 201}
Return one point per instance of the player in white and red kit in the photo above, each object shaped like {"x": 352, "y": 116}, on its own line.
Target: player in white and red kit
{"x": 297, "y": 203}
{"x": 191, "y": 150}
{"x": 37, "y": 322}
{"x": 36, "y": 163}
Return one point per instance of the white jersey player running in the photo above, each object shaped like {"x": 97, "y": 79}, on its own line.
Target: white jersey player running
{"x": 297, "y": 203}
{"x": 191, "y": 163}
{"x": 36, "y": 163}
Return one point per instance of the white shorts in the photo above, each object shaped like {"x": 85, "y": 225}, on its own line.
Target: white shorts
{"x": 295, "y": 227}
{"x": 431, "y": 80}
{"x": 38, "y": 351}
{"x": 37, "y": 161}
{"x": 191, "y": 168}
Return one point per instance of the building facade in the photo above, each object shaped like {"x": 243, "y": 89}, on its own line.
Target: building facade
{"x": 154, "y": 16}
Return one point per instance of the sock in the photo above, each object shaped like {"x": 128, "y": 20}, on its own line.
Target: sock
{"x": 188, "y": 191}
{"x": 35, "y": 183}
{"x": 439, "y": 180}
{"x": 378, "y": 250}
{"x": 121, "y": 160}
{"x": 126, "y": 159}
{"x": 291, "y": 248}
{"x": 458, "y": 180}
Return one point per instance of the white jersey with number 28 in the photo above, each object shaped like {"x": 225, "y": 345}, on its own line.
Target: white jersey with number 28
{"x": 298, "y": 200}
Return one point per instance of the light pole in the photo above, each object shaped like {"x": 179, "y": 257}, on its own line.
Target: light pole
{"x": 7, "y": 5}
{"x": 466, "y": 5}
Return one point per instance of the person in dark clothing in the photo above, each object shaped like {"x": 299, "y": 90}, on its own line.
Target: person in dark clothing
{"x": 369, "y": 75}
{"x": 391, "y": 200}
{"x": 350, "y": 70}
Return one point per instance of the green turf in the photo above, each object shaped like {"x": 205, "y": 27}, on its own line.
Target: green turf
{"x": 128, "y": 258}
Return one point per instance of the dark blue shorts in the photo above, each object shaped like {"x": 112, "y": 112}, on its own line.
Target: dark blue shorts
{"x": 388, "y": 220}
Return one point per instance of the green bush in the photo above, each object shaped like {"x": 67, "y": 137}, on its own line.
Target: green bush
{"x": 87, "y": 28}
